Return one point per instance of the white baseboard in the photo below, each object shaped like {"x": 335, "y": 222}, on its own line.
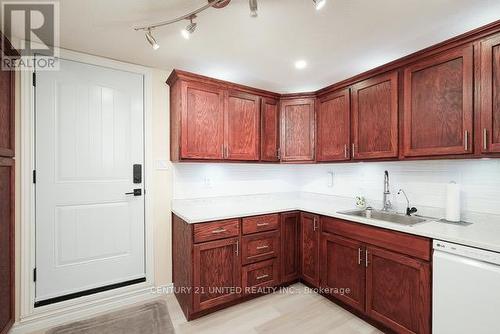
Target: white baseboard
{"x": 86, "y": 310}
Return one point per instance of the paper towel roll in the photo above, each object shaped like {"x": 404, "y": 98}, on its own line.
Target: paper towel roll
{"x": 453, "y": 202}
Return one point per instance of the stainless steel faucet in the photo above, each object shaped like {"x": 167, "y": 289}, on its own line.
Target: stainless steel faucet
{"x": 387, "y": 203}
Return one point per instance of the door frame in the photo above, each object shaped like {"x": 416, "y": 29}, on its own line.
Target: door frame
{"x": 28, "y": 314}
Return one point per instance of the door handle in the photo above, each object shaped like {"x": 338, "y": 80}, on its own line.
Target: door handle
{"x": 136, "y": 192}
{"x": 366, "y": 259}
{"x": 359, "y": 255}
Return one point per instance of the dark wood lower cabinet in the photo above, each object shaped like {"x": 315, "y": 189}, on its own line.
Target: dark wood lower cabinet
{"x": 383, "y": 276}
{"x": 216, "y": 273}
{"x": 398, "y": 291}
{"x": 309, "y": 248}
{"x": 290, "y": 231}
{"x": 6, "y": 244}
{"x": 343, "y": 270}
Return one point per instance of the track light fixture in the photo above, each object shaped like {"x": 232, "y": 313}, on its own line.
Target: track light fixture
{"x": 318, "y": 4}
{"x": 191, "y": 27}
{"x": 253, "y": 8}
{"x": 151, "y": 40}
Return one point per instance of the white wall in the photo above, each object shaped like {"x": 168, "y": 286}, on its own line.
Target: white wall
{"x": 196, "y": 180}
{"x": 424, "y": 181}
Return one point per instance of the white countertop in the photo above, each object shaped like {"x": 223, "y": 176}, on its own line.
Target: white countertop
{"x": 483, "y": 233}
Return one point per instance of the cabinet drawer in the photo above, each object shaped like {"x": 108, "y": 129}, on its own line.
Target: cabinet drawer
{"x": 260, "y": 274}
{"x": 258, "y": 247}
{"x": 216, "y": 230}
{"x": 419, "y": 247}
{"x": 260, "y": 223}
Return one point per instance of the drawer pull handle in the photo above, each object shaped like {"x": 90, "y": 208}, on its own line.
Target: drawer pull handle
{"x": 262, "y": 224}
{"x": 220, "y": 230}
{"x": 262, "y": 277}
{"x": 262, "y": 247}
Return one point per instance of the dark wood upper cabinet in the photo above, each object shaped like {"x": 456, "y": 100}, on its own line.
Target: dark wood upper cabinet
{"x": 490, "y": 95}
{"x": 309, "y": 248}
{"x": 202, "y": 121}
{"x": 398, "y": 291}
{"x": 342, "y": 267}
{"x": 216, "y": 269}
{"x": 297, "y": 129}
{"x": 438, "y": 104}
{"x": 290, "y": 235}
{"x": 270, "y": 139}
{"x": 333, "y": 127}
{"x": 242, "y": 126}
{"x": 375, "y": 117}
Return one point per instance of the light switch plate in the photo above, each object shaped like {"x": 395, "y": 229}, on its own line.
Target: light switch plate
{"x": 161, "y": 164}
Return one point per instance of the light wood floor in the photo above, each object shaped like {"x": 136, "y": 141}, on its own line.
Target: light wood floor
{"x": 290, "y": 313}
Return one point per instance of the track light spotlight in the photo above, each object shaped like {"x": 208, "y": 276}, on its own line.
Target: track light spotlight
{"x": 318, "y": 4}
{"x": 191, "y": 27}
{"x": 151, "y": 40}
{"x": 253, "y": 8}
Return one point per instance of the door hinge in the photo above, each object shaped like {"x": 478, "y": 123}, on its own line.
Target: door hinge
{"x": 34, "y": 79}
{"x": 34, "y": 275}
{"x": 34, "y": 176}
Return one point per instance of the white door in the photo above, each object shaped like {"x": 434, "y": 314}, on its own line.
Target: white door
{"x": 89, "y": 134}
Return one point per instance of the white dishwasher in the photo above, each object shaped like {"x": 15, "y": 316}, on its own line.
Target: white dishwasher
{"x": 466, "y": 290}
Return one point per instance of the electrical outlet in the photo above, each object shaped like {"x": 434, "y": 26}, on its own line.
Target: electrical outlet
{"x": 207, "y": 182}
{"x": 331, "y": 176}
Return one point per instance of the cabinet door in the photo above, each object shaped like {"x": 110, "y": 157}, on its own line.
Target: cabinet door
{"x": 438, "y": 104}
{"x": 269, "y": 130}
{"x": 309, "y": 248}
{"x": 333, "y": 124}
{"x": 490, "y": 95}
{"x": 202, "y": 121}
{"x": 6, "y": 113}
{"x": 290, "y": 224}
{"x": 242, "y": 126}
{"x": 216, "y": 273}
{"x": 6, "y": 244}
{"x": 375, "y": 117}
{"x": 398, "y": 291}
{"x": 297, "y": 130}
{"x": 342, "y": 267}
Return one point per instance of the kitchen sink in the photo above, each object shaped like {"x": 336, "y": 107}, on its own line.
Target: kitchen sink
{"x": 391, "y": 217}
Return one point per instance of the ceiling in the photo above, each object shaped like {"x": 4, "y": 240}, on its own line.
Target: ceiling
{"x": 345, "y": 38}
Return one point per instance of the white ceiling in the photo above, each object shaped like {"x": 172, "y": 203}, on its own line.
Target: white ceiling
{"x": 345, "y": 38}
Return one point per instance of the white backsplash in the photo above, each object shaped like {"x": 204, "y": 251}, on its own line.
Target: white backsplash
{"x": 424, "y": 181}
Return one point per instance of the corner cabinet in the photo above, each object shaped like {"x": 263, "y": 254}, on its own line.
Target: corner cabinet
{"x": 438, "y": 104}
{"x": 375, "y": 118}
{"x": 297, "y": 129}
{"x": 333, "y": 127}
{"x": 490, "y": 97}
